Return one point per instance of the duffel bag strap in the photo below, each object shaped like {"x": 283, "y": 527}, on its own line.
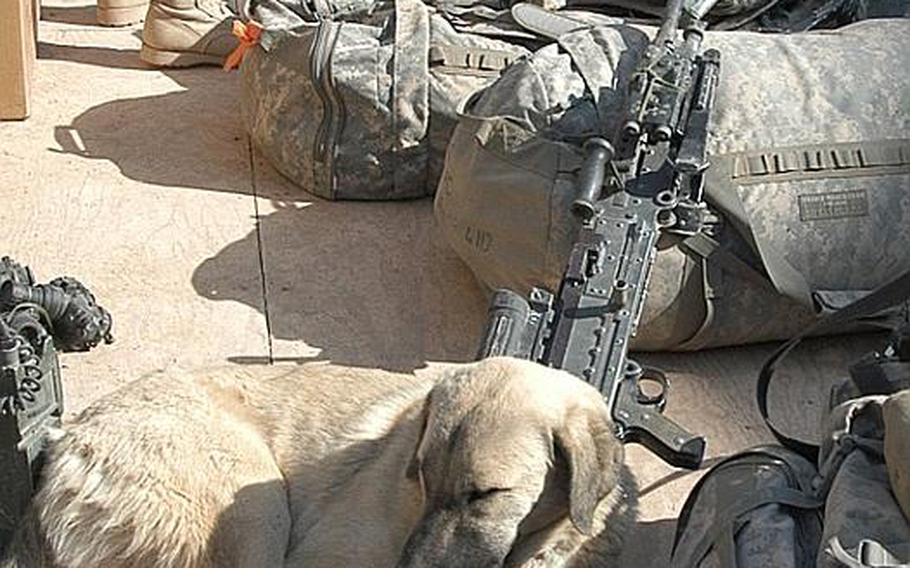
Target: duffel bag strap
{"x": 706, "y": 247}
{"x": 410, "y": 104}
{"x": 891, "y": 294}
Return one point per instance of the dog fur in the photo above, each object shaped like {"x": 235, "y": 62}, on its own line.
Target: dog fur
{"x": 496, "y": 463}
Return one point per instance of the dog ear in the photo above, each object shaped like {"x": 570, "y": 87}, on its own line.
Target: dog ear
{"x": 413, "y": 470}
{"x": 587, "y": 442}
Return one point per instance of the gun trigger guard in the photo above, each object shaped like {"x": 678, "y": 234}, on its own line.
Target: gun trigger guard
{"x": 658, "y": 400}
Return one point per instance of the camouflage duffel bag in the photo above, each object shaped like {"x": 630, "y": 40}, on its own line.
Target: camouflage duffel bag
{"x": 897, "y": 443}
{"x": 864, "y": 524}
{"x": 809, "y": 183}
{"x": 354, "y": 103}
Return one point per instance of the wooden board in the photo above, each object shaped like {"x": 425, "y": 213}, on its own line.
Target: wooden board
{"x": 17, "y": 57}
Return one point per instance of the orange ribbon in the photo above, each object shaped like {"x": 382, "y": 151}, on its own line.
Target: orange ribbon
{"x": 248, "y": 35}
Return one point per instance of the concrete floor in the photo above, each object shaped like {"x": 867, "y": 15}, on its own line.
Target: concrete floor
{"x": 142, "y": 183}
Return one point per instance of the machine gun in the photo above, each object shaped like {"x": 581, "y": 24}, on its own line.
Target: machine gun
{"x": 656, "y": 168}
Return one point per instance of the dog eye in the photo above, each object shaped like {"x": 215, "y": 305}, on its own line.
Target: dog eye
{"x": 478, "y": 494}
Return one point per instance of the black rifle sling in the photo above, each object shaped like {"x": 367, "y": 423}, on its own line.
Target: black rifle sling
{"x": 891, "y": 294}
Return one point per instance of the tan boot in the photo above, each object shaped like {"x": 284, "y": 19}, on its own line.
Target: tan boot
{"x": 183, "y": 33}
{"x": 120, "y": 12}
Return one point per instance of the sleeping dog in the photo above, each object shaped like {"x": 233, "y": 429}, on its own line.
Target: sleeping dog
{"x": 496, "y": 463}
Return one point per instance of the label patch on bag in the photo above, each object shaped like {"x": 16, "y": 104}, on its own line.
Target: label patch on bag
{"x": 481, "y": 240}
{"x": 835, "y": 205}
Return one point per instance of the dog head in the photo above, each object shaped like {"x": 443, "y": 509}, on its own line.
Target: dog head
{"x": 509, "y": 449}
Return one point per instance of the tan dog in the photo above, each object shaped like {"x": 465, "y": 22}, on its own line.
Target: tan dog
{"x": 496, "y": 463}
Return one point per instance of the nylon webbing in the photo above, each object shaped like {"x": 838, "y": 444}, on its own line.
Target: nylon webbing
{"x": 707, "y": 248}
{"x": 410, "y": 100}
{"x": 824, "y": 160}
{"x": 469, "y": 60}
{"x": 890, "y": 294}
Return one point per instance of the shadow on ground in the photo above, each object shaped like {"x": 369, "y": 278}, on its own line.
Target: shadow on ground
{"x": 713, "y": 391}
{"x": 73, "y": 15}
{"x": 354, "y": 283}
{"x": 192, "y": 137}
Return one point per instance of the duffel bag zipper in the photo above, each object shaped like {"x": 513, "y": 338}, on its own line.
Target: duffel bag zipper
{"x": 332, "y": 107}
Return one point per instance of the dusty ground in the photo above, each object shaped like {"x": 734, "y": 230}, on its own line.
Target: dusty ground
{"x": 142, "y": 183}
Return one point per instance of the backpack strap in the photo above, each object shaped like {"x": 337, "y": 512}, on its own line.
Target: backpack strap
{"x": 891, "y": 294}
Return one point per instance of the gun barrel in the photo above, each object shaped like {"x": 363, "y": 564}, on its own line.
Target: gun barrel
{"x": 670, "y": 25}
{"x": 698, "y": 9}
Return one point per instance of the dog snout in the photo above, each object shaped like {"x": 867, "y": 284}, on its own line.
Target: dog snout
{"x": 448, "y": 538}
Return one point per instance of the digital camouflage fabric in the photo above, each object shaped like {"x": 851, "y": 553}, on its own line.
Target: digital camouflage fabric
{"x": 769, "y": 506}
{"x": 809, "y": 179}
{"x": 351, "y": 103}
{"x": 755, "y": 509}
{"x": 896, "y": 413}
{"x": 863, "y": 520}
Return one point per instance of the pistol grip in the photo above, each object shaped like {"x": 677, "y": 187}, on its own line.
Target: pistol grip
{"x": 644, "y": 424}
